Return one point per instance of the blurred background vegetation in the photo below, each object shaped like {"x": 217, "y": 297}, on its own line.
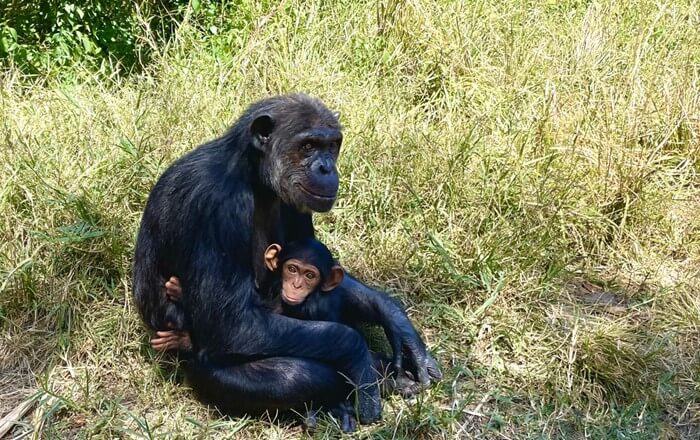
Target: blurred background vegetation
{"x": 108, "y": 35}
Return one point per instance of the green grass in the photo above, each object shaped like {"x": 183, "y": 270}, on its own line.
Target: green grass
{"x": 504, "y": 163}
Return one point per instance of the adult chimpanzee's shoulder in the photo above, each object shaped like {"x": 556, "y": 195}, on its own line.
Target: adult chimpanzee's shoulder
{"x": 212, "y": 169}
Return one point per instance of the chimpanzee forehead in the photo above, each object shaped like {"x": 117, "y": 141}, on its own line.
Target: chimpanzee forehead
{"x": 310, "y": 251}
{"x": 303, "y": 113}
{"x": 321, "y": 134}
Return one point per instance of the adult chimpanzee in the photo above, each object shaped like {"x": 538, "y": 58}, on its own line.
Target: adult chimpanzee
{"x": 208, "y": 221}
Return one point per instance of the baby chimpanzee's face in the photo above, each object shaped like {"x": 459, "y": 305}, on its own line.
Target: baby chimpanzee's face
{"x": 299, "y": 280}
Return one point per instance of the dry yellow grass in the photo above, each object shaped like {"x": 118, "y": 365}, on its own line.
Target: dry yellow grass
{"x": 523, "y": 175}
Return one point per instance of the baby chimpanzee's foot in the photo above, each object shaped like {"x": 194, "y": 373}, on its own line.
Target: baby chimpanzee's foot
{"x": 173, "y": 289}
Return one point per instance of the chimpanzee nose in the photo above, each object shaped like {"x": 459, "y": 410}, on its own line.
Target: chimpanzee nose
{"x": 323, "y": 167}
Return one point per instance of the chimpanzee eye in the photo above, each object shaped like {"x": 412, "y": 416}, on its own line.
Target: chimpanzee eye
{"x": 307, "y": 148}
{"x": 310, "y": 276}
{"x": 291, "y": 269}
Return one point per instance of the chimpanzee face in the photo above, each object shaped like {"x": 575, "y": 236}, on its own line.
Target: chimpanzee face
{"x": 304, "y": 267}
{"x": 299, "y": 280}
{"x": 311, "y": 174}
{"x": 300, "y": 144}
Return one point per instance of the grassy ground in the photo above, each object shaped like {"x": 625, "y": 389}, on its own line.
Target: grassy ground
{"x": 524, "y": 176}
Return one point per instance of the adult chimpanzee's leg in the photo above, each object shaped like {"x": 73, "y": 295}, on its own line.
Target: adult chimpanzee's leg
{"x": 339, "y": 346}
{"x": 276, "y": 383}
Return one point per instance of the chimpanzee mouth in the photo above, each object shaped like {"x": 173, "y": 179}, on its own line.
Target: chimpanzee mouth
{"x": 290, "y": 300}
{"x": 315, "y": 194}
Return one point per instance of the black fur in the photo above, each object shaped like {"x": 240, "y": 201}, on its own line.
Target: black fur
{"x": 210, "y": 217}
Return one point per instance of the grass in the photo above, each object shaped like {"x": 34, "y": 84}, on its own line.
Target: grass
{"x": 524, "y": 176}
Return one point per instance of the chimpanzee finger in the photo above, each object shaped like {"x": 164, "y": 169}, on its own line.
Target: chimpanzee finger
{"x": 310, "y": 420}
{"x": 397, "y": 349}
{"x": 160, "y": 345}
{"x": 433, "y": 368}
{"x": 175, "y": 281}
{"x": 165, "y": 338}
{"x": 349, "y": 423}
{"x": 416, "y": 355}
{"x": 423, "y": 376}
{"x": 162, "y": 342}
{"x": 344, "y": 412}
{"x": 405, "y": 386}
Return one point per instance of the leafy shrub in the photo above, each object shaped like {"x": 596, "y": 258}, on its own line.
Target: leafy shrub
{"x": 54, "y": 33}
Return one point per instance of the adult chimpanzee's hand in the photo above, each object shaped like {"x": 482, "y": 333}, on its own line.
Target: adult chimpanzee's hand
{"x": 409, "y": 352}
{"x": 423, "y": 367}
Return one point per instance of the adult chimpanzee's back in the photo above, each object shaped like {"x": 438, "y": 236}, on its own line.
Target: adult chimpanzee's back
{"x": 185, "y": 220}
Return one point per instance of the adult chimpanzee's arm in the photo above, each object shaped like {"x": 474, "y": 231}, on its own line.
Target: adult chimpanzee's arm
{"x": 363, "y": 304}
{"x": 366, "y": 305}
{"x": 147, "y": 281}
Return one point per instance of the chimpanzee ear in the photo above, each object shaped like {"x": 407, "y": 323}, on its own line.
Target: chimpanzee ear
{"x": 272, "y": 256}
{"x": 260, "y": 129}
{"x": 335, "y": 277}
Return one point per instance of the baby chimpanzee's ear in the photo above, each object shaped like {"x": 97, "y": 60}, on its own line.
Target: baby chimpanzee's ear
{"x": 271, "y": 256}
{"x": 335, "y": 277}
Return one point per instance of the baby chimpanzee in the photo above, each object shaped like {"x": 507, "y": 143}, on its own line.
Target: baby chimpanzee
{"x": 303, "y": 276}
{"x": 302, "y": 287}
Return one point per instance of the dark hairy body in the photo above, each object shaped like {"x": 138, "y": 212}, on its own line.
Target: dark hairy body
{"x": 208, "y": 220}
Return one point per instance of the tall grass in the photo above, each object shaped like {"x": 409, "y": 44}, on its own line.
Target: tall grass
{"x": 524, "y": 176}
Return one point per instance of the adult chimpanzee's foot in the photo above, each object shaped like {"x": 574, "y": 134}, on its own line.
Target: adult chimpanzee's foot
{"x": 395, "y": 380}
{"x": 310, "y": 421}
{"x": 344, "y": 413}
